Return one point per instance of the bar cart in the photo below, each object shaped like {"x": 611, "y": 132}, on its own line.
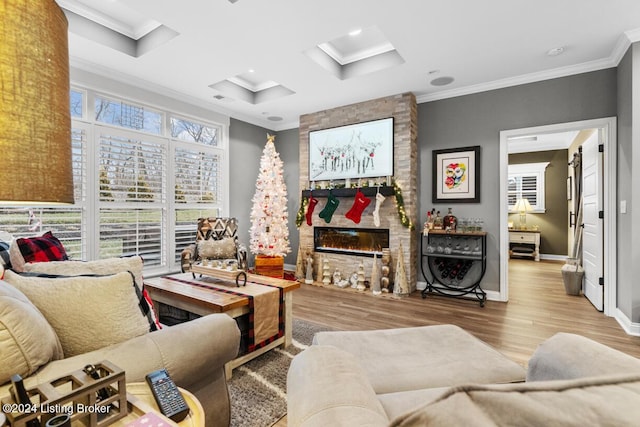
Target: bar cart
{"x": 456, "y": 261}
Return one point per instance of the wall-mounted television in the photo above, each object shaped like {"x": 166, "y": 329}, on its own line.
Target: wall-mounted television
{"x": 361, "y": 150}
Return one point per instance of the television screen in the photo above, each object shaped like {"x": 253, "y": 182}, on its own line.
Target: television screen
{"x": 361, "y": 150}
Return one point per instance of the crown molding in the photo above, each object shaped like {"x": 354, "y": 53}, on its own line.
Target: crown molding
{"x": 519, "y": 80}
{"x": 623, "y": 43}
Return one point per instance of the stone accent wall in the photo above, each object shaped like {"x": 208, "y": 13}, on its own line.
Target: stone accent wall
{"x": 404, "y": 110}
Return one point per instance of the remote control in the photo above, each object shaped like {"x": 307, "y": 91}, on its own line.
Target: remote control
{"x": 168, "y": 397}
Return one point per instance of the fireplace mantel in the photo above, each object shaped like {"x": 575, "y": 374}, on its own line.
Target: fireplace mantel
{"x": 385, "y": 190}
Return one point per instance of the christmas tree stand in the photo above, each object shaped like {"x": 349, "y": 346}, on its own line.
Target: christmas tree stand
{"x": 272, "y": 266}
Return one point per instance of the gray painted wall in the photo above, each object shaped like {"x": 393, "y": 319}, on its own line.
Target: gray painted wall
{"x": 625, "y": 169}
{"x": 632, "y": 257}
{"x": 245, "y": 150}
{"x": 628, "y": 188}
{"x": 478, "y": 119}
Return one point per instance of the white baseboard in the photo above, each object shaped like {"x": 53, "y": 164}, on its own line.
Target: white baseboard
{"x": 552, "y": 257}
{"x": 631, "y": 328}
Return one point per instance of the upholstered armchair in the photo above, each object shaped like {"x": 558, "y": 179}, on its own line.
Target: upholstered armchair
{"x": 216, "y": 239}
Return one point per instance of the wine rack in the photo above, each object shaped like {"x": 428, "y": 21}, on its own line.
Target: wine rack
{"x": 456, "y": 263}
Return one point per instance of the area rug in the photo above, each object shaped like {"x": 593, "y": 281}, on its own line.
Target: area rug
{"x": 258, "y": 388}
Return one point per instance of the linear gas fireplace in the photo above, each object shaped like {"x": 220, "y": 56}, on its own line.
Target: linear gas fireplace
{"x": 350, "y": 241}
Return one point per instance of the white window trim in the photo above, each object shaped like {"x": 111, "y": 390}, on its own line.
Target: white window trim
{"x": 537, "y": 169}
{"x": 88, "y": 122}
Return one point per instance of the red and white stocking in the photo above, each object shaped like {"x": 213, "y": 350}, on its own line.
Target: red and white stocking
{"x": 359, "y": 205}
{"x": 312, "y": 205}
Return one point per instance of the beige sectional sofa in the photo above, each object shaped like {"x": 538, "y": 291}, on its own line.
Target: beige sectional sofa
{"x": 51, "y": 326}
{"x": 443, "y": 376}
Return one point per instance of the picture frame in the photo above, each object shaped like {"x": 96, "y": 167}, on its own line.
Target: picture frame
{"x": 456, "y": 175}
{"x": 359, "y": 150}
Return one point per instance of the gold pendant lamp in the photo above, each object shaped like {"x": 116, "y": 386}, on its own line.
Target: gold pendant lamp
{"x": 35, "y": 124}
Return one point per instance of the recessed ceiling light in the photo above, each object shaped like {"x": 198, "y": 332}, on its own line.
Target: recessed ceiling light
{"x": 355, "y": 32}
{"x": 555, "y": 51}
{"x": 442, "y": 81}
{"x": 274, "y": 118}
{"x": 251, "y": 70}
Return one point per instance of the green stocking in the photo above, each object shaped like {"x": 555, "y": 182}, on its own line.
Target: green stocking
{"x": 329, "y": 209}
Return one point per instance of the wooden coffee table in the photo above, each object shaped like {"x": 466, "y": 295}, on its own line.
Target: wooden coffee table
{"x": 203, "y": 301}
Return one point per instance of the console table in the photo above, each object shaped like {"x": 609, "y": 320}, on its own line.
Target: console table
{"x": 524, "y": 243}
{"x": 456, "y": 262}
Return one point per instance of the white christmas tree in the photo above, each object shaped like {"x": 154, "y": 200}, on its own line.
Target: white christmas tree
{"x": 269, "y": 234}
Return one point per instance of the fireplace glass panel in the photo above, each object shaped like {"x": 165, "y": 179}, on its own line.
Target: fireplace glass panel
{"x": 350, "y": 241}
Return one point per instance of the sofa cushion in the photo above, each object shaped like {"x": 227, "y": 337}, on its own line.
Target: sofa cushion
{"x": 27, "y": 341}
{"x": 328, "y": 387}
{"x": 443, "y": 355}
{"x": 566, "y": 356}
{"x": 593, "y": 401}
{"x": 401, "y": 402}
{"x": 102, "y": 267}
{"x": 134, "y": 264}
{"x": 217, "y": 249}
{"x": 36, "y": 249}
{"x": 87, "y": 312}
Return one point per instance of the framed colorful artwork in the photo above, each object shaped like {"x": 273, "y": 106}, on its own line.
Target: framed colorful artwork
{"x": 456, "y": 175}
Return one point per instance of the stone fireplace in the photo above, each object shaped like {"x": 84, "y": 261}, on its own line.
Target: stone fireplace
{"x": 403, "y": 109}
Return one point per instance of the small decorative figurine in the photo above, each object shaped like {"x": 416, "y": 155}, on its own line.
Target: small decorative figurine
{"x": 308, "y": 278}
{"x": 360, "y": 283}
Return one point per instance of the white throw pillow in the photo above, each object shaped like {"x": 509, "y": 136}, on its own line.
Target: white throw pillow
{"x": 87, "y": 312}
{"x": 27, "y": 341}
{"x": 106, "y": 266}
{"x": 217, "y": 249}
{"x": 102, "y": 267}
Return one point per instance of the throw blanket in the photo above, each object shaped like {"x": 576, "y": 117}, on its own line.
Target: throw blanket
{"x": 265, "y": 303}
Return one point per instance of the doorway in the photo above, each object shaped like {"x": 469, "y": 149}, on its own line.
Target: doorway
{"x": 606, "y": 129}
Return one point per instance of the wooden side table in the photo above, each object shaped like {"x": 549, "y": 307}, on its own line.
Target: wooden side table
{"x": 140, "y": 397}
{"x": 528, "y": 237}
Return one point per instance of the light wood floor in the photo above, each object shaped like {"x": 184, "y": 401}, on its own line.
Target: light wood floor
{"x": 538, "y": 307}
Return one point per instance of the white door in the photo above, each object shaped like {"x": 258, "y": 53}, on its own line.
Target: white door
{"x": 592, "y": 238}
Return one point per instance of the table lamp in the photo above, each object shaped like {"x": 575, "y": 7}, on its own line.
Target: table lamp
{"x": 522, "y": 206}
{"x": 35, "y": 123}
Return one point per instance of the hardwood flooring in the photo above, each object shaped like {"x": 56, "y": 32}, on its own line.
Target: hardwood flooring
{"x": 538, "y": 308}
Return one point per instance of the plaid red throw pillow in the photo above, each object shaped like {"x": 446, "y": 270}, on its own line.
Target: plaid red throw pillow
{"x": 42, "y": 249}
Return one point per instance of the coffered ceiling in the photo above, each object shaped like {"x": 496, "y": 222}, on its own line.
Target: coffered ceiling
{"x": 268, "y": 62}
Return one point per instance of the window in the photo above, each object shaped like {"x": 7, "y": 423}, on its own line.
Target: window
{"x": 142, "y": 178}
{"x": 526, "y": 181}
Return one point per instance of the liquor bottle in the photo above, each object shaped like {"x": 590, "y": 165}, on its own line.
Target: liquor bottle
{"x": 450, "y": 221}
{"x": 437, "y": 222}
{"x": 464, "y": 270}
{"x": 455, "y": 270}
